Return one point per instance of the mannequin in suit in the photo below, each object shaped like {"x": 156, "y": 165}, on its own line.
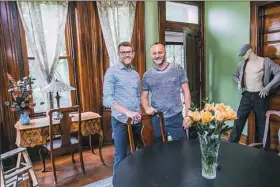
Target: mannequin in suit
{"x": 253, "y": 77}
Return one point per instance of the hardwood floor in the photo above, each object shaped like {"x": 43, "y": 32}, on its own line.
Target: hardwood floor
{"x": 71, "y": 175}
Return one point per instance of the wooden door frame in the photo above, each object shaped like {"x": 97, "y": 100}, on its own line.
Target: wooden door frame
{"x": 256, "y": 24}
{"x": 256, "y": 41}
{"x": 165, "y": 25}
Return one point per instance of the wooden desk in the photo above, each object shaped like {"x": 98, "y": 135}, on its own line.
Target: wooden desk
{"x": 37, "y": 132}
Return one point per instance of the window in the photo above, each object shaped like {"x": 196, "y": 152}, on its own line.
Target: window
{"x": 119, "y": 19}
{"x": 180, "y": 12}
{"x": 174, "y": 48}
{"x": 64, "y": 69}
{"x": 117, "y": 22}
{"x": 62, "y": 74}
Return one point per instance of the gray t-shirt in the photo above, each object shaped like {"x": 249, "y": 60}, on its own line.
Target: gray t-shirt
{"x": 165, "y": 87}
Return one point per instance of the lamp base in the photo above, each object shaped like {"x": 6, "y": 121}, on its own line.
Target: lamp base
{"x": 57, "y": 116}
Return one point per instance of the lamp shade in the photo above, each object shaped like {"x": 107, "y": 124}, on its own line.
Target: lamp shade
{"x": 57, "y": 86}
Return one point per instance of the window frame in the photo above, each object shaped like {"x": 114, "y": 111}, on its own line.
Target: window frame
{"x": 173, "y": 26}
{"x": 68, "y": 57}
{"x": 174, "y": 43}
{"x": 183, "y": 23}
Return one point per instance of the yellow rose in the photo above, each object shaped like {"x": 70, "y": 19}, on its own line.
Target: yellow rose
{"x": 231, "y": 115}
{"x": 209, "y": 107}
{"x": 196, "y": 116}
{"x": 228, "y": 108}
{"x": 220, "y": 107}
{"x": 220, "y": 116}
{"x": 206, "y": 117}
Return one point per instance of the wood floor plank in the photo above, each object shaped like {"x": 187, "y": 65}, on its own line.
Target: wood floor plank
{"x": 71, "y": 175}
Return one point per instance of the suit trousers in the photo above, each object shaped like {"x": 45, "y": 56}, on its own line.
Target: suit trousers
{"x": 250, "y": 101}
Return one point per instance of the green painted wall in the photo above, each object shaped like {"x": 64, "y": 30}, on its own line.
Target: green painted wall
{"x": 227, "y": 27}
{"x": 151, "y": 28}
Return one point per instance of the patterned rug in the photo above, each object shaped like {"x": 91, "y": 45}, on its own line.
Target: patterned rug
{"x": 102, "y": 183}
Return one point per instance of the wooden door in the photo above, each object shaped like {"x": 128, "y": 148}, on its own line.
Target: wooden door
{"x": 265, "y": 40}
{"x": 271, "y": 33}
{"x": 271, "y": 48}
{"x": 192, "y": 48}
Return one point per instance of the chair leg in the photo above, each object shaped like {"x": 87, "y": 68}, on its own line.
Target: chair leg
{"x": 42, "y": 157}
{"x": 82, "y": 159}
{"x": 100, "y": 149}
{"x": 73, "y": 159}
{"x": 92, "y": 150}
{"x": 54, "y": 169}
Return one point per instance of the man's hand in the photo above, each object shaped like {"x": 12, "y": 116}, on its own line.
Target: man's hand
{"x": 263, "y": 93}
{"x": 135, "y": 116}
{"x": 239, "y": 86}
{"x": 186, "y": 122}
{"x": 151, "y": 111}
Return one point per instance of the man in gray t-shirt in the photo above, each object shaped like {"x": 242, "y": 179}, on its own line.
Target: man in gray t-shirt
{"x": 164, "y": 81}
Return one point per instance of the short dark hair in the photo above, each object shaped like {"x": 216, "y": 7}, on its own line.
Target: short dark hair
{"x": 126, "y": 44}
{"x": 156, "y": 43}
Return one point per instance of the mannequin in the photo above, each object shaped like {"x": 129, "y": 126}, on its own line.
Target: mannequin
{"x": 253, "y": 76}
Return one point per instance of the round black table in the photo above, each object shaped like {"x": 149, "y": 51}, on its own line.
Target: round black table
{"x": 178, "y": 164}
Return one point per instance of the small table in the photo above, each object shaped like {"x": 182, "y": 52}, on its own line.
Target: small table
{"x": 178, "y": 164}
{"x": 37, "y": 132}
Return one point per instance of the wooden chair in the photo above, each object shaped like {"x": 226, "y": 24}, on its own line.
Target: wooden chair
{"x": 65, "y": 143}
{"x": 266, "y": 131}
{"x": 22, "y": 171}
{"x": 147, "y": 132}
{"x": 279, "y": 142}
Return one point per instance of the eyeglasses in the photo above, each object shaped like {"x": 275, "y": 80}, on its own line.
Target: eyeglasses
{"x": 123, "y": 53}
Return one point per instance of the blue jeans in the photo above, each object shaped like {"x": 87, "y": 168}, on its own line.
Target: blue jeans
{"x": 172, "y": 125}
{"x": 121, "y": 141}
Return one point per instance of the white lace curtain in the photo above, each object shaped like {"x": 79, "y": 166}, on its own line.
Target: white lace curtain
{"x": 44, "y": 25}
{"x": 117, "y": 21}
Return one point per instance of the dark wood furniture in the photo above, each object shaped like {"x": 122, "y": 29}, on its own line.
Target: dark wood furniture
{"x": 106, "y": 125}
{"x": 65, "y": 143}
{"x": 178, "y": 163}
{"x": 147, "y": 132}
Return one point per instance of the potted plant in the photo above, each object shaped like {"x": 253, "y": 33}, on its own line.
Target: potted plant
{"x": 22, "y": 101}
{"x": 209, "y": 123}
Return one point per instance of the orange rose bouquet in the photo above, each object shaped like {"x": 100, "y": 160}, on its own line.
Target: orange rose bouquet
{"x": 209, "y": 124}
{"x": 211, "y": 119}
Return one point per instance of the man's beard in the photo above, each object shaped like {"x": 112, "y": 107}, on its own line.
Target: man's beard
{"x": 126, "y": 61}
{"x": 159, "y": 60}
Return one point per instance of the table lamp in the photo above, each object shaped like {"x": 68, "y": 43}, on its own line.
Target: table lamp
{"x": 57, "y": 86}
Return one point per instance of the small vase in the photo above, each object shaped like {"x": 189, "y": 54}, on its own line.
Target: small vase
{"x": 209, "y": 147}
{"x": 24, "y": 118}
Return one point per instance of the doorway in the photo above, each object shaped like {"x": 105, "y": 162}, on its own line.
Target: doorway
{"x": 265, "y": 41}
{"x": 181, "y": 31}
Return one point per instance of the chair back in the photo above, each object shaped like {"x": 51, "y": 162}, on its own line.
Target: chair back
{"x": 279, "y": 141}
{"x": 64, "y": 124}
{"x": 147, "y": 131}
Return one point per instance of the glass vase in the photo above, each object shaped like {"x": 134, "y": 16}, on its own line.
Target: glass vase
{"x": 24, "y": 118}
{"x": 209, "y": 148}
